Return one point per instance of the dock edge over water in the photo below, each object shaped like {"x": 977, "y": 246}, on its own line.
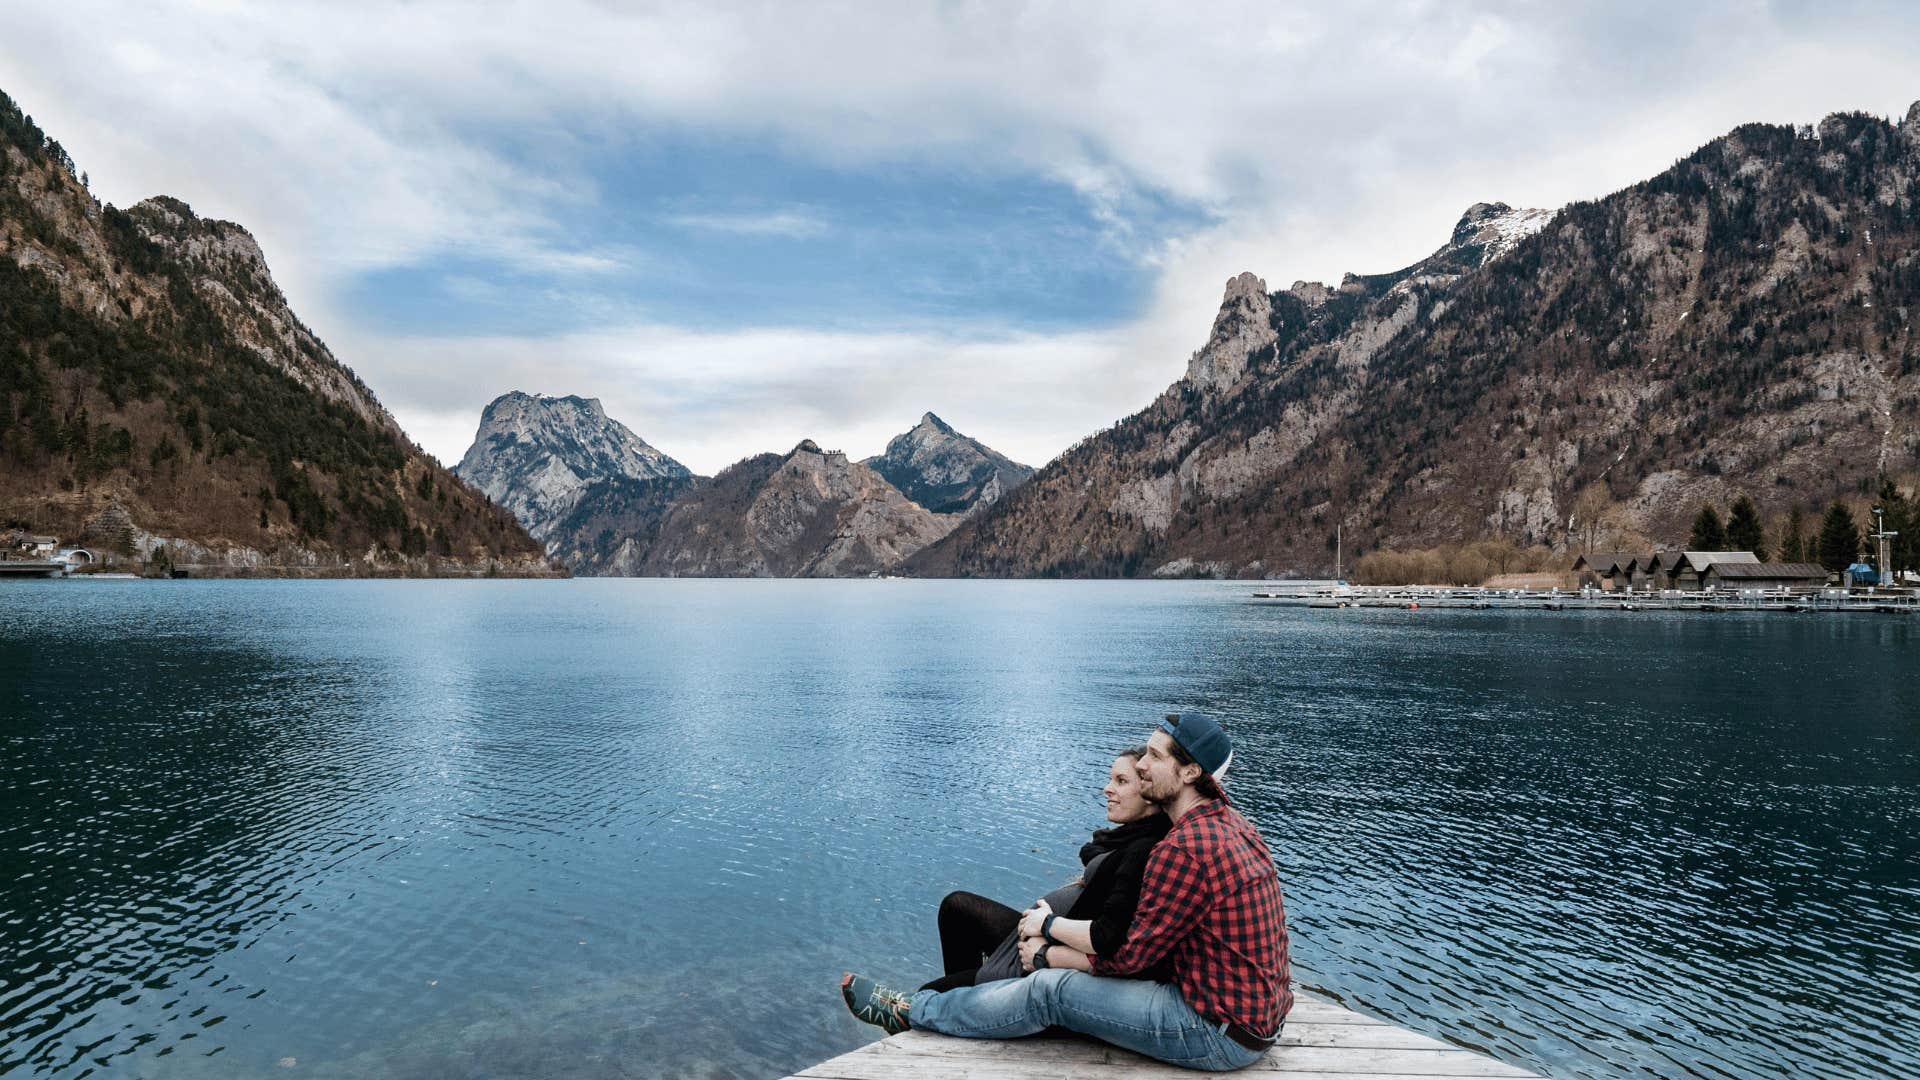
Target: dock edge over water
{"x": 1321, "y": 1039}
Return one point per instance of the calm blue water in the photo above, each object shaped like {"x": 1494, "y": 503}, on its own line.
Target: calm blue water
{"x": 635, "y": 828}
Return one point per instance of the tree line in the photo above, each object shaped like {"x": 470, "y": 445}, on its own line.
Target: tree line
{"x": 1840, "y": 540}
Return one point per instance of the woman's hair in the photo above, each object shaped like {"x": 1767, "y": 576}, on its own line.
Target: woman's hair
{"x": 1207, "y": 786}
{"x": 1133, "y": 752}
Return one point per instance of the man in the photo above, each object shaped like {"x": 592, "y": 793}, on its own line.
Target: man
{"x": 1210, "y": 902}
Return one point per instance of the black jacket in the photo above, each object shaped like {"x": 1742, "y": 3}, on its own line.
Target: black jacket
{"x": 1115, "y": 861}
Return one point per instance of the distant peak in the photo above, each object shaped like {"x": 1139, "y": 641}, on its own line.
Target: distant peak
{"x": 1477, "y": 215}
{"x": 934, "y": 422}
{"x": 1244, "y": 285}
{"x": 807, "y": 446}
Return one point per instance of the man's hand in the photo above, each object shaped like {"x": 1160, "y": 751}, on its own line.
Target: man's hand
{"x": 1035, "y": 917}
{"x": 1029, "y": 947}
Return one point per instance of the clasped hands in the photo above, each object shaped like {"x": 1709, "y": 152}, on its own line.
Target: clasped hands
{"x": 1032, "y": 921}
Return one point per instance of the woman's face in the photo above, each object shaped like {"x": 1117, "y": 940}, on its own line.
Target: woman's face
{"x": 1124, "y": 802}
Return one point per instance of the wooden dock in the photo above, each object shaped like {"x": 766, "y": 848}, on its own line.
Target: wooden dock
{"x": 1321, "y": 1041}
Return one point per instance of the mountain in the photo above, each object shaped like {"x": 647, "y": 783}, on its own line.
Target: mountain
{"x": 809, "y": 513}
{"x": 1742, "y": 322}
{"x": 535, "y": 455}
{"x": 158, "y": 394}
{"x": 945, "y": 471}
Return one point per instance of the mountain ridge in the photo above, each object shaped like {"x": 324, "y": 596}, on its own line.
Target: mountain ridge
{"x": 1726, "y": 326}
{"x": 153, "y": 375}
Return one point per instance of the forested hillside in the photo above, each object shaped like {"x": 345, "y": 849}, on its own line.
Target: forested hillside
{"x": 151, "y": 372}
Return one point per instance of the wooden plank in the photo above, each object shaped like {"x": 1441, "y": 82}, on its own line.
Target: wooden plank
{"x": 859, "y": 1067}
{"x": 1073, "y": 1048}
{"x": 1322, "y": 1041}
{"x": 919, "y": 1054}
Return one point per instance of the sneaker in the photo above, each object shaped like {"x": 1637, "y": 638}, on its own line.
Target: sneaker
{"x": 868, "y": 1000}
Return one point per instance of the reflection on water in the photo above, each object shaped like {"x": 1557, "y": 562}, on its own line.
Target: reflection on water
{"x": 451, "y": 829}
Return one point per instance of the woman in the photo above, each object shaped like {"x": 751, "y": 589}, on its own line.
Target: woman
{"x": 979, "y": 938}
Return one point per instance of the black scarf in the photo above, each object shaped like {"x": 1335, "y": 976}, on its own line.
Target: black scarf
{"x": 1150, "y": 829}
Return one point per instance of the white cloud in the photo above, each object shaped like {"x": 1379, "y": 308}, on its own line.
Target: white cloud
{"x": 792, "y": 224}
{"x": 1320, "y": 140}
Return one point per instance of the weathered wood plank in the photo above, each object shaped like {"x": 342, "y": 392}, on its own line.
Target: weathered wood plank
{"x": 1322, "y": 1041}
{"x": 859, "y": 1067}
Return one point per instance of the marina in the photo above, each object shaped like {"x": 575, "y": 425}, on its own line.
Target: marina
{"x": 1414, "y": 598}
{"x": 1322, "y": 1038}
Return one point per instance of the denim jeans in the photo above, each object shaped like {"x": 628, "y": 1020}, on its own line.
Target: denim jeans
{"x": 1146, "y": 1017}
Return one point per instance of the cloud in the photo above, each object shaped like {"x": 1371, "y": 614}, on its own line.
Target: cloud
{"x": 793, "y": 224}
{"x": 1315, "y": 140}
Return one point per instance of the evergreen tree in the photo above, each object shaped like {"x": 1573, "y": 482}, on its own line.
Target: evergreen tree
{"x": 1793, "y": 543}
{"x": 1839, "y": 538}
{"x": 1708, "y": 533}
{"x": 1743, "y": 529}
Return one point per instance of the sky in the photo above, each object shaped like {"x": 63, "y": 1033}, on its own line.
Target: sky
{"x": 744, "y": 224}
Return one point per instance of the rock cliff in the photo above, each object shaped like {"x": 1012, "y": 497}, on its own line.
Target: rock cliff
{"x": 945, "y": 471}
{"x": 1742, "y": 322}
{"x": 536, "y": 455}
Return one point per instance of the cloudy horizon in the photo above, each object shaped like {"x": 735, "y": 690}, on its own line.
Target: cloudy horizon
{"x": 740, "y": 226}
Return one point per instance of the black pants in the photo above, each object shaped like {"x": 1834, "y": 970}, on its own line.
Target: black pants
{"x": 971, "y": 927}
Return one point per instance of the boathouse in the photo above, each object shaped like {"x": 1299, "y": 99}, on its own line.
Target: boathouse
{"x": 1686, "y": 570}
{"x": 1607, "y": 570}
{"x": 1748, "y": 577}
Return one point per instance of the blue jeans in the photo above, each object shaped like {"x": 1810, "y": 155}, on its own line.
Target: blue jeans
{"x": 1146, "y": 1017}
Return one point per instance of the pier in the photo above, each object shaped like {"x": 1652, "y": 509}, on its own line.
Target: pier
{"x": 1322, "y": 1040}
{"x": 1890, "y": 601}
{"x": 18, "y": 568}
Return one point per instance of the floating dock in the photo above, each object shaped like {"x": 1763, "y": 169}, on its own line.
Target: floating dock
{"x": 1885, "y": 601}
{"x": 1322, "y": 1040}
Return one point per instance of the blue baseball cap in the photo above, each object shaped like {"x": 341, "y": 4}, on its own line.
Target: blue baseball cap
{"x": 1203, "y": 740}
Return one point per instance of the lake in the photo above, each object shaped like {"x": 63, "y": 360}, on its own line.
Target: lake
{"x": 610, "y": 828}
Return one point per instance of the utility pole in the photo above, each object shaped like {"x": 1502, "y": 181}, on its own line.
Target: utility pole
{"x": 1339, "y": 543}
{"x": 1883, "y": 548}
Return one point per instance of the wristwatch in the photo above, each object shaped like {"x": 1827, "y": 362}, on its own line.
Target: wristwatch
{"x": 1040, "y": 957}
{"x": 1046, "y": 928}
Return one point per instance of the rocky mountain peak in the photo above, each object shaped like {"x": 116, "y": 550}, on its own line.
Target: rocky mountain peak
{"x": 945, "y": 471}
{"x": 1494, "y": 228}
{"x": 536, "y": 454}
{"x": 930, "y": 422}
{"x": 1311, "y": 293}
{"x": 1477, "y": 215}
{"x": 806, "y": 446}
{"x": 1243, "y": 327}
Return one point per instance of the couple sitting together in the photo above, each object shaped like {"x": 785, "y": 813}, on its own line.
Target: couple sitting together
{"x": 1173, "y": 943}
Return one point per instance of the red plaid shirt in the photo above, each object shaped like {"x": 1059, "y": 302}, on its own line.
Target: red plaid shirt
{"x": 1211, "y": 901}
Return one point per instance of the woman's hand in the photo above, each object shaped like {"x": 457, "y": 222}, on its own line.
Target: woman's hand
{"x": 1034, "y": 919}
{"x": 1029, "y": 947}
